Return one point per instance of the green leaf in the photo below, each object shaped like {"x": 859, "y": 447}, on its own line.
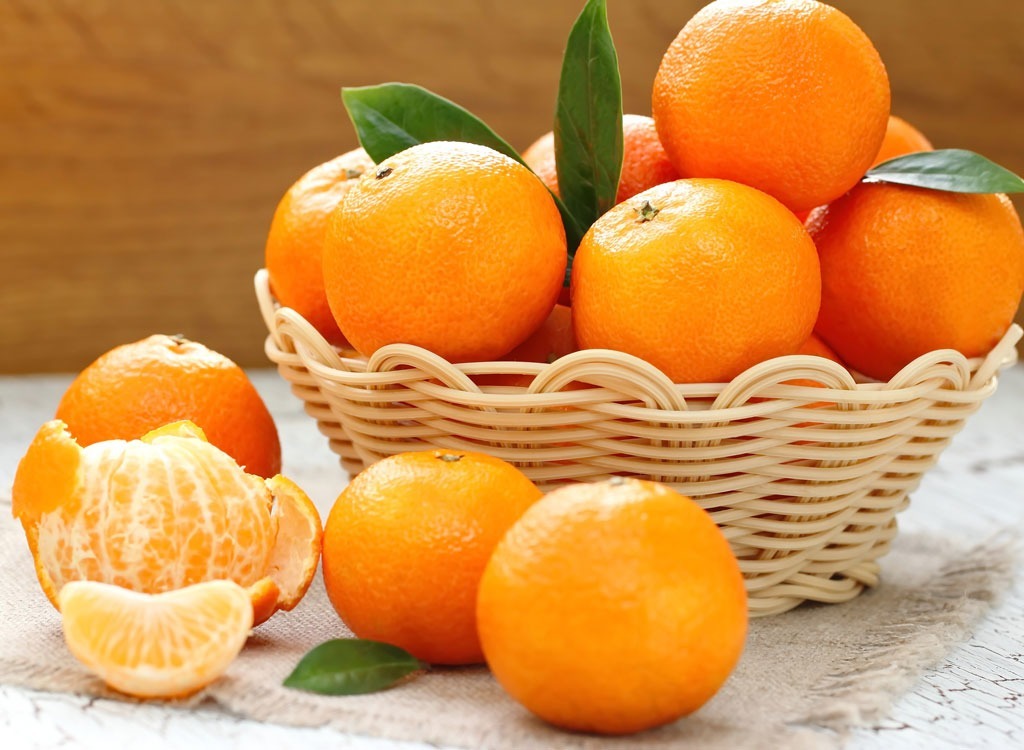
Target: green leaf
{"x": 951, "y": 169}
{"x": 350, "y": 666}
{"x": 573, "y": 230}
{"x": 588, "y": 118}
{"x": 392, "y": 117}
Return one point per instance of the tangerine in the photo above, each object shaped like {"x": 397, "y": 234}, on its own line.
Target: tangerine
{"x": 554, "y": 338}
{"x": 788, "y": 96}
{"x": 449, "y": 246}
{"x": 815, "y": 347}
{"x": 644, "y": 161}
{"x": 612, "y": 607}
{"x": 407, "y": 541}
{"x": 907, "y": 270}
{"x": 901, "y": 138}
{"x": 138, "y": 387}
{"x": 701, "y": 278}
{"x": 294, "y": 252}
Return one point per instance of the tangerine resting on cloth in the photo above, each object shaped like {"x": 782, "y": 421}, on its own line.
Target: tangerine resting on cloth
{"x": 788, "y": 96}
{"x": 161, "y": 513}
{"x": 449, "y": 246}
{"x": 138, "y": 387}
{"x": 612, "y": 607}
{"x": 701, "y": 278}
{"x": 156, "y": 645}
{"x": 406, "y": 542}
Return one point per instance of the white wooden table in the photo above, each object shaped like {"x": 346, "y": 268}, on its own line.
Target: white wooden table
{"x": 973, "y": 699}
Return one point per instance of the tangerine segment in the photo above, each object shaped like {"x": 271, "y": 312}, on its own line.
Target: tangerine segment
{"x": 265, "y": 596}
{"x": 156, "y": 645}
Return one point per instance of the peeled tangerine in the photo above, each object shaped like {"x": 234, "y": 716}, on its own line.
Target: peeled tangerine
{"x": 161, "y": 513}
{"x": 156, "y": 645}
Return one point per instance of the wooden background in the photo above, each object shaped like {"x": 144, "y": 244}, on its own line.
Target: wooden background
{"x": 145, "y": 143}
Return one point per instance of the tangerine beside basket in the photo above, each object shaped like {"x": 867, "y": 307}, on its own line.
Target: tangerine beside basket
{"x": 804, "y": 480}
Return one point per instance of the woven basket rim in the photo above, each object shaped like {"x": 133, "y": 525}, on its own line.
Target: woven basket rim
{"x": 394, "y": 364}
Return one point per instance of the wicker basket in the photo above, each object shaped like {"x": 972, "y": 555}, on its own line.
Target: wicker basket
{"x": 804, "y": 481}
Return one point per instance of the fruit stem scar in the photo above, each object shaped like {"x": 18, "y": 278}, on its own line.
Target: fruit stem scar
{"x": 384, "y": 172}
{"x": 351, "y": 174}
{"x": 646, "y": 212}
{"x": 449, "y": 457}
{"x": 179, "y": 338}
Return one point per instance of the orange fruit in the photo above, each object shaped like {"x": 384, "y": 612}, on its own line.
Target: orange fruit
{"x": 554, "y": 338}
{"x": 156, "y": 645}
{"x": 788, "y": 96}
{"x": 406, "y": 542}
{"x": 701, "y": 278}
{"x": 161, "y": 513}
{"x": 138, "y": 387}
{"x": 815, "y": 347}
{"x": 449, "y": 246}
{"x": 901, "y": 138}
{"x": 294, "y": 252}
{"x": 907, "y": 270}
{"x": 612, "y": 607}
{"x": 644, "y": 161}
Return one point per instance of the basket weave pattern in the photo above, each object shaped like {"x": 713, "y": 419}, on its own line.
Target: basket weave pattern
{"x": 804, "y": 480}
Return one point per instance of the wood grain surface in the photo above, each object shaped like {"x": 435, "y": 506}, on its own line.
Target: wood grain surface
{"x": 144, "y": 144}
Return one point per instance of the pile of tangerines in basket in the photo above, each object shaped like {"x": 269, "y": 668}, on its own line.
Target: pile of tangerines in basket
{"x": 771, "y": 206}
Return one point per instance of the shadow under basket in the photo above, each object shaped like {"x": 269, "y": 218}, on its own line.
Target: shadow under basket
{"x": 805, "y": 481}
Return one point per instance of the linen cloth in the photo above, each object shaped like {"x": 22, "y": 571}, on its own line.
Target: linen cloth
{"x": 805, "y": 679}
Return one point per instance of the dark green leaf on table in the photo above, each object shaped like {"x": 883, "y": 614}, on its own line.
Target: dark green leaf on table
{"x": 351, "y": 666}
{"x": 953, "y": 169}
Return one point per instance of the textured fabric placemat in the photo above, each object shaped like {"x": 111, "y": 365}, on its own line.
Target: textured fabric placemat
{"x": 806, "y": 677}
